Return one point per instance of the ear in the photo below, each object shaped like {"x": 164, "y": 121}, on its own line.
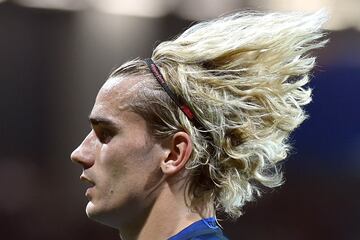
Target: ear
{"x": 180, "y": 147}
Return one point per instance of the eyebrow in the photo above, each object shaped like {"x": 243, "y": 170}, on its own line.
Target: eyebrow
{"x": 102, "y": 121}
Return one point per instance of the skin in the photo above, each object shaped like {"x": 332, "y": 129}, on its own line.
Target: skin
{"x": 135, "y": 181}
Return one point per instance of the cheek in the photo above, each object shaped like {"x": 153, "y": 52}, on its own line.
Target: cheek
{"x": 127, "y": 152}
{"x": 111, "y": 164}
{"x": 127, "y": 176}
{"x": 128, "y": 159}
{"x": 123, "y": 164}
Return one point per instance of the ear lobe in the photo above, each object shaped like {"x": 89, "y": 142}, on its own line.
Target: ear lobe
{"x": 180, "y": 151}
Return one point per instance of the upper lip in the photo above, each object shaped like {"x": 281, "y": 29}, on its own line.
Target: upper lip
{"x": 86, "y": 179}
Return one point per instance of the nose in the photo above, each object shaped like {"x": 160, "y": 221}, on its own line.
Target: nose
{"x": 84, "y": 154}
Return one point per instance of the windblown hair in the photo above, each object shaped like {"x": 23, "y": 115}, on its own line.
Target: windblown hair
{"x": 244, "y": 75}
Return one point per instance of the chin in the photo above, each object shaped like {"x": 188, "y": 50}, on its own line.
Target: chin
{"x": 93, "y": 212}
{"x": 99, "y": 215}
{"x": 90, "y": 209}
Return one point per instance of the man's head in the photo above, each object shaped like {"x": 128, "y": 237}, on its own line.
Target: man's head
{"x": 125, "y": 164}
{"x": 245, "y": 78}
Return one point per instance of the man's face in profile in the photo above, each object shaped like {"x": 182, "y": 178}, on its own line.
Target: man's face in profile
{"x": 120, "y": 159}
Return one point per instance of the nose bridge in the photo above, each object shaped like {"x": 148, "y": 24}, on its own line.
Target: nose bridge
{"x": 84, "y": 154}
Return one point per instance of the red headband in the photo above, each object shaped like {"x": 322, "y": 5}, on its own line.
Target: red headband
{"x": 177, "y": 99}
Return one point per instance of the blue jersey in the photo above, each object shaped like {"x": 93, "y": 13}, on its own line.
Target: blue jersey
{"x": 204, "y": 229}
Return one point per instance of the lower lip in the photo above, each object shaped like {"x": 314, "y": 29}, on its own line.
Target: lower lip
{"x": 88, "y": 191}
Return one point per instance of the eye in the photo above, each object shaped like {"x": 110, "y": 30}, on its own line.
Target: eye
{"x": 104, "y": 135}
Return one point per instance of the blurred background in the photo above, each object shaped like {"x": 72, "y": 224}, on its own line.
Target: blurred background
{"x": 55, "y": 55}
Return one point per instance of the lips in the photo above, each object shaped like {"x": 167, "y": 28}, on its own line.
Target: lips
{"x": 89, "y": 183}
{"x": 87, "y": 180}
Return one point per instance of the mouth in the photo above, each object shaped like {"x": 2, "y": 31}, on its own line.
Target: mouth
{"x": 89, "y": 184}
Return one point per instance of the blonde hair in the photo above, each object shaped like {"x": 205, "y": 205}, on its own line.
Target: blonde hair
{"x": 244, "y": 75}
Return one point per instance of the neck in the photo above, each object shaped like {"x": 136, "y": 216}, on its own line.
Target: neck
{"x": 168, "y": 215}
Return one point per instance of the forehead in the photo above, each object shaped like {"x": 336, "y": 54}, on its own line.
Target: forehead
{"x": 115, "y": 95}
